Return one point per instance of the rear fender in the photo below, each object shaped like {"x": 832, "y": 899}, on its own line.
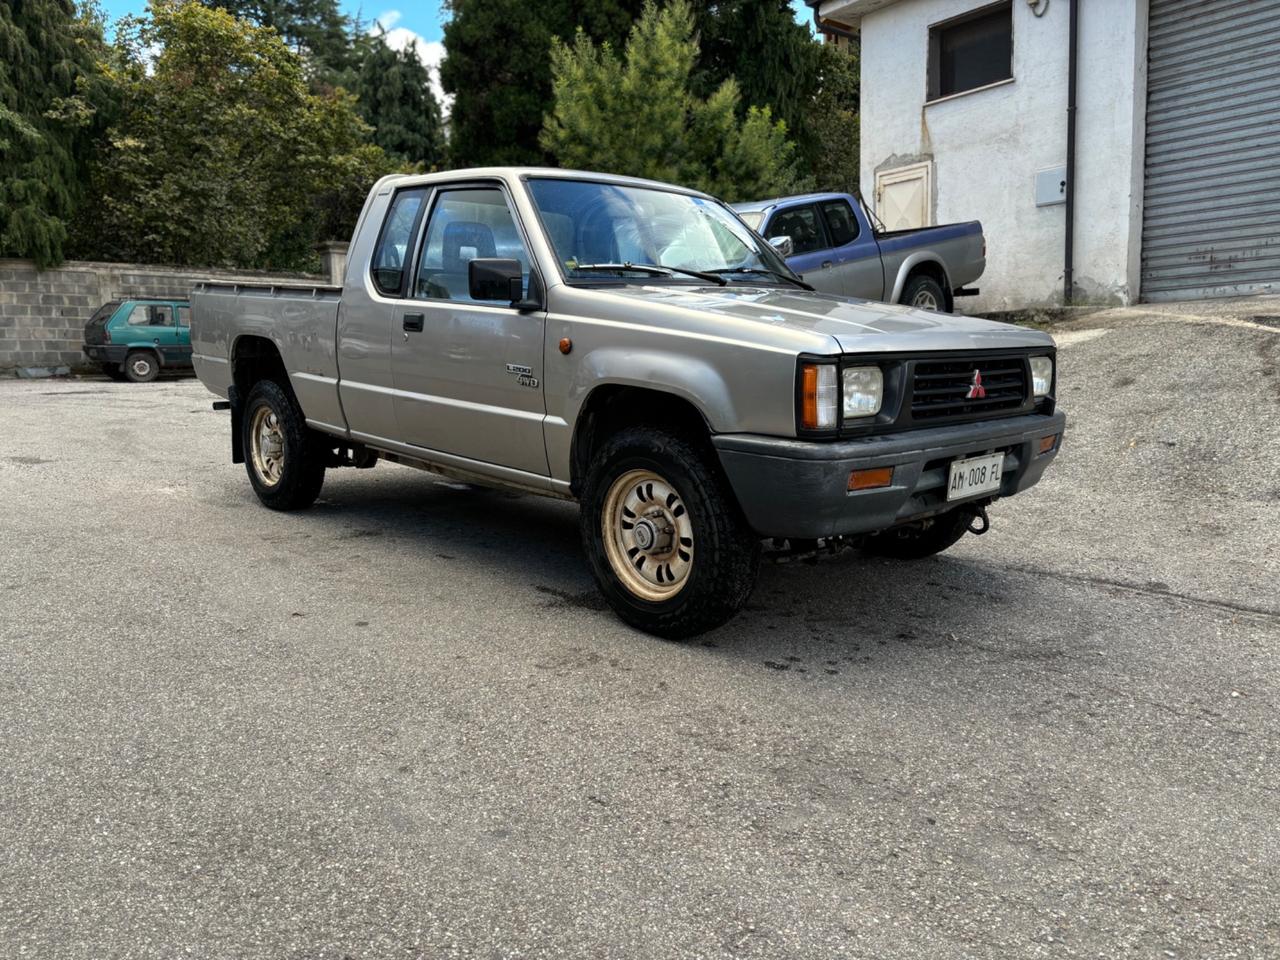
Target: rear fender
{"x": 910, "y": 263}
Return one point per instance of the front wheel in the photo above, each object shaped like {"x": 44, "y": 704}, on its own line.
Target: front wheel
{"x": 282, "y": 456}
{"x": 666, "y": 542}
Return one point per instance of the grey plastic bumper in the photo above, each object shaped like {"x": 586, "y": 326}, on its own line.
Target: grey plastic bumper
{"x": 799, "y": 488}
{"x": 105, "y": 352}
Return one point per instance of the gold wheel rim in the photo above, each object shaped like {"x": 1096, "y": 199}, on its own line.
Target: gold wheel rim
{"x": 266, "y": 445}
{"x": 648, "y": 535}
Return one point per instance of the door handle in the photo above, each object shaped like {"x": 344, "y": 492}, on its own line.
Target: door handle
{"x": 826, "y": 264}
{"x": 413, "y": 321}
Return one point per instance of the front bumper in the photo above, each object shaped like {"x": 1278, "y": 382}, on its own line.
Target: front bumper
{"x": 105, "y": 352}
{"x": 799, "y": 488}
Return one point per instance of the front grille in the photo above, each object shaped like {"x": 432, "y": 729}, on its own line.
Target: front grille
{"x": 940, "y": 388}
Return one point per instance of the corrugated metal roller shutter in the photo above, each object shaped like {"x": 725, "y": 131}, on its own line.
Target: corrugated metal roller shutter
{"x": 1211, "y": 224}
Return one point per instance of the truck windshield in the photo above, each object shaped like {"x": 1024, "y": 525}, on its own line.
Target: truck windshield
{"x": 598, "y": 228}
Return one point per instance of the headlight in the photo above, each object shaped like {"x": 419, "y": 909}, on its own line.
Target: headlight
{"x": 1041, "y": 376}
{"x": 863, "y": 391}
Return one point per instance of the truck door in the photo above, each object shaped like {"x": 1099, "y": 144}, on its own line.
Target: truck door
{"x": 811, "y": 256}
{"x": 855, "y": 254}
{"x": 468, "y": 374}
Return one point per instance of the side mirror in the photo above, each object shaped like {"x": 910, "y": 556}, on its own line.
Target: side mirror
{"x": 783, "y": 244}
{"x": 495, "y": 279}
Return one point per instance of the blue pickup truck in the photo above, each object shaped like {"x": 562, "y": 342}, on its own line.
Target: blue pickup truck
{"x": 830, "y": 239}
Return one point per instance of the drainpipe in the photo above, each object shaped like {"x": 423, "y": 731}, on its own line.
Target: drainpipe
{"x": 1073, "y": 33}
{"x": 826, "y": 26}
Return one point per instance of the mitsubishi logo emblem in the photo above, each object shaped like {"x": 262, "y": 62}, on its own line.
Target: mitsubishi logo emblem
{"x": 976, "y": 390}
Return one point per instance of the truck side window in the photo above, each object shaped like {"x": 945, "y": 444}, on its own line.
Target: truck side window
{"x": 840, "y": 222}
{"x": 466, "y": 225}
{"x": 801, "y": 225}
{"x": 184, "y": 316}
{"x": 388, "y": 266}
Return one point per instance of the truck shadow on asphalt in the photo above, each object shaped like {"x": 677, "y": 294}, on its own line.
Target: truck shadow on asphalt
{"x": 850, "y": 605}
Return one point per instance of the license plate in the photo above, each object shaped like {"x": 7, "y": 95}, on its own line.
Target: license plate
{"x": 974, "y": 476}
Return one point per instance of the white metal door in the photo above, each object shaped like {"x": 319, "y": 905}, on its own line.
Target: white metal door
{"x": 1211, "y": 219}
{"x": 903, "y": 197}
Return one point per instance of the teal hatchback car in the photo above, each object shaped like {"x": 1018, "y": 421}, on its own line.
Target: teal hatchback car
{"x": 135, "y": 339}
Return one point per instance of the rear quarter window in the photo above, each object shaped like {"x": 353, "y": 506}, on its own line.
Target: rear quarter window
{"x": 105, "y": 311}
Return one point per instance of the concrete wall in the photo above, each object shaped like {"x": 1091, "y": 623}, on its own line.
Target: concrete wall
{"x": 987, "y": 145}
{"x": 43, "y": 312}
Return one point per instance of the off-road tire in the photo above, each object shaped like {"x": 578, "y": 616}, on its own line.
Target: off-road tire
{"x": 916, "y": 543}
{"x": 304, "y": 454}
{"x": 141, "y": 366}
{"x": 726, "y": 553}
{"x": 922, "y": 286}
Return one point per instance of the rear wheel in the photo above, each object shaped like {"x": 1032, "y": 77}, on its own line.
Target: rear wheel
{"x": 665, "y": 539}
{"x": 283, "y": 457}
{"x": 917, "y": 542}
{"x": 141, "y": 366}
{"x": 924, "y": 292}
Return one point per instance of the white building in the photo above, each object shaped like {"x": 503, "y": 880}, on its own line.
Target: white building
{"x": 1177, "y": 139}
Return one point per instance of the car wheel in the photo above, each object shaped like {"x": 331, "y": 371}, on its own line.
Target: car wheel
{"x": 282, "y": 455}
{"x": 141, "y": 366}
{"x": 925, "y": 293}
{"x": 665, "y": 539}
{"x": 917, "y": 542}
{"x": 114, "y": 371}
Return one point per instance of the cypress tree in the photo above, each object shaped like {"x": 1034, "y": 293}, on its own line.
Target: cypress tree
{"x": 394, "y": 91}
{"x": 498, "y": 69}
{"x": 48, "y": 105}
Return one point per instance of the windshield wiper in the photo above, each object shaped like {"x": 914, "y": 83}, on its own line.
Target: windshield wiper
{"x": 654, "y": 269}
{"x": 772, "y": 273}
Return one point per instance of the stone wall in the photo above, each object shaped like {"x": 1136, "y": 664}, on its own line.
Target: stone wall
{"x": 43, "y": 312}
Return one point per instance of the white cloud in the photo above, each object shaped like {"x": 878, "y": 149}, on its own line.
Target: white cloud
{"x": 429, "y": 52}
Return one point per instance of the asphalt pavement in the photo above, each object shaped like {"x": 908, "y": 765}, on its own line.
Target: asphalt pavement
{"x": 403, "y": 725}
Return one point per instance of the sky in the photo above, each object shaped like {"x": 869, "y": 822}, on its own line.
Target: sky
{"x": 404, "y": 23}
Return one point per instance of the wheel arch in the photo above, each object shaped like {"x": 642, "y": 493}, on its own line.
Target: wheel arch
{"x": 613, "y": 406}
{"x": 255, "y": 357}
{"x": 922, "y": 263}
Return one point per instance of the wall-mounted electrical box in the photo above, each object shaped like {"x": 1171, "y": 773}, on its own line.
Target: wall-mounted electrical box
{"x": 1051, "y": 186}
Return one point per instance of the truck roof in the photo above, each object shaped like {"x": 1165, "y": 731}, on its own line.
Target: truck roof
{"x": 478, "y": 173}
{"x": 755, "y": 206}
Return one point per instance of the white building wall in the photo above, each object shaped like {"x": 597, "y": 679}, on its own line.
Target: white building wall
{"x": 987, "y": 145}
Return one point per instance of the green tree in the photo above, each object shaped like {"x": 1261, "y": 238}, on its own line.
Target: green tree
{"x": 394, "y": 91}
{"x": 774, "y": 59}
{"x": 638, "y": 116}
{"x": 317, "y": 30}
{"x": 50, "y": 100}
{"x": 833, "y": 121}
{"x": 221, "y": 155}
{"x": 497, "y": 69}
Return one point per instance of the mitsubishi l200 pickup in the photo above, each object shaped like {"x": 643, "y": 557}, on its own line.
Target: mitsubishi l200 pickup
{"x": 635, "y": 347}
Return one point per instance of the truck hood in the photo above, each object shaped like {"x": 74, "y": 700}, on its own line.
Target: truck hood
{"x": 858, "y": 326}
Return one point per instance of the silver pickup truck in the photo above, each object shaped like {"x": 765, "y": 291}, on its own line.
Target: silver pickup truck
{"x": 633, "y": 346}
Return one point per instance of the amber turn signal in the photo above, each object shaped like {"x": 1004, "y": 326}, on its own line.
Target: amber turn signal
{"x": 870, "y": 479}
{"x": 1047, "y": 443}
{"x": 565, "y": 344}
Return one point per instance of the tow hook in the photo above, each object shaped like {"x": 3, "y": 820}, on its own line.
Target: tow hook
{"x": 979, "y": 522}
